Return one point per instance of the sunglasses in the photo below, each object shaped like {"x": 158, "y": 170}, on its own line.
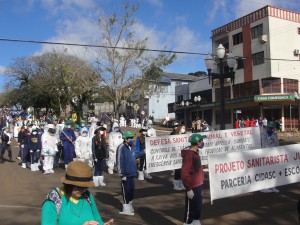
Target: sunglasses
{"x": 80, "y": 188}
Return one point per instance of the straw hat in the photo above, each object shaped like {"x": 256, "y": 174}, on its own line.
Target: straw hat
{"x": 78, "y": 174}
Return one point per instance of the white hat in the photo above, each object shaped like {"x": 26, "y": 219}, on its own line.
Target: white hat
{"x": 51, "y": 126}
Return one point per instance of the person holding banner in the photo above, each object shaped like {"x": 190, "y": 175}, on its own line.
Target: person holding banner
{"x": 141, "y": 154}
{"x": 192, "y": 176}
{"x": 177, "y": 182}
{"x": 269, "y": 139}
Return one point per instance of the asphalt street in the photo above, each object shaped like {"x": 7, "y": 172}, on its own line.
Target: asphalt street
{"x": 155, "y": 203}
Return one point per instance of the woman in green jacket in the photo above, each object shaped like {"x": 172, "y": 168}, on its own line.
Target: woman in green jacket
{"x": 73, "y": 204}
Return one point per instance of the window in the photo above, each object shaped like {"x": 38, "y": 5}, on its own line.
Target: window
{"x": 240, "y": 64}
{"x": 227, "y": 94}
{"x": 271, "y": 86}
{"x": 237, "y": 38}
{"x": 179, "y": 98}
{"x": 258, "y": 58}
{"x": 298, "y": 30}
{"x": 257, "y": 31}
{"x": 246, "y": 89}
{"x": 290, "y": 85}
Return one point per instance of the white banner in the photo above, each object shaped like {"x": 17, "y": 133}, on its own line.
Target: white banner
{"x": 164, "y": 152}
{"x": 236, "y": 173}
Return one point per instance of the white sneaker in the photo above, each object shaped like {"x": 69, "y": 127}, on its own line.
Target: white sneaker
{"x": 268, "y": 190}
{"x": 275, "y": 190}
{"x": 126, "y": 210}
{"x": 131, "y": 207}
{"x": 101, "y": 181}
{"x": 141, "y": 175}
{"x": 147, "y": 175}
{"x": 46, "y": 172}
{"x": 23, "y": 165}
{"x": 51, "y": 171}
{"x": 110, "y": 171}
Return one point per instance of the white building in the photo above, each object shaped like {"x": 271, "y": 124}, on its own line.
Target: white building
{"x": 266, "y": 44}
{"x": 156, "y": 105}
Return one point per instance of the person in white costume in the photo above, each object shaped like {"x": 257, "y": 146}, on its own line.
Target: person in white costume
{"x": 83, "y": 148}
{"x": 122, "y": 121}
{"x": 93, "y": 127}
{"x": 49, "y": 149}
{"x": 151, "y": 132}
{"x": 114, "y": 140}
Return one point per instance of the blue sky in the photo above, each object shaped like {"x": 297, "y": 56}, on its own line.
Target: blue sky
{"x": 180, "y": 25}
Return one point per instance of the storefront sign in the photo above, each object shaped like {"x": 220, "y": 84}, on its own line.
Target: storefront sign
{"x": 258, "y": 98}
{"x": 237, "y": 173}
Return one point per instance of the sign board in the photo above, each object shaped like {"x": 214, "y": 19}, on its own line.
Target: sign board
{"x": 237, "y": 173}
{"x": 136, "y": 107}
{"x": 164, "y": 152}
{"x": 258, "y": 98}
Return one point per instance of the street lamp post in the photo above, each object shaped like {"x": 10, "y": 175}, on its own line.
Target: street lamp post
{"x": 197, "y": 100}
{"x": 183, "y": 104}
{"x": 231, "y": 62}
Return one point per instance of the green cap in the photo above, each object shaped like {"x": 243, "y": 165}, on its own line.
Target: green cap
{"x": 82, "y": 121}
{"x": 271, "y": 124}
{"x": 194, "y": 138}
{"x": 68, "y": 122}
{"x": 76, "y": 126}
{"x": 128, "y": 134}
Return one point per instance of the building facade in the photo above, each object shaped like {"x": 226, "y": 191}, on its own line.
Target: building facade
{"x": 266, "y": 44}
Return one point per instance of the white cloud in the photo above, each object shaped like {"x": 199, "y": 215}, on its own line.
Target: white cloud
{"x": 242, "y": 8}
{"x": 219, "y": 5}
{"x": 2, "y": 69}
{"x": 156, "y": 2}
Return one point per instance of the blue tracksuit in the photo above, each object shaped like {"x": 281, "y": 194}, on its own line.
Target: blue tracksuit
{"x": 68, "y": 147}
{"x": 126, "y": 168}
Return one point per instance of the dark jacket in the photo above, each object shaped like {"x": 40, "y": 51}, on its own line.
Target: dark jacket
{"x": 191, "y": 171}
{"x": 99, "y": 150}
{"x": 125, "y": 159}
{"x": 34, "y": 142}
{"x": 23, "y": 137}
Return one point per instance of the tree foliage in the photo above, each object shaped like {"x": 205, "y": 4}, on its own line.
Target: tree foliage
{"x": 198, "y": 74}
{"x": 52, "y": 81}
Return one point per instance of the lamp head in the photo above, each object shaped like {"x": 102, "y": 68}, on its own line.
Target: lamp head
{"x": 209, "y": 62}
{"x": 220, "y": 51}
{"x": 231, "y": 61}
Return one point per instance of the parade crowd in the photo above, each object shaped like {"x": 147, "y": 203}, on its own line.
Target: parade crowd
{"x": 87, "y": 149}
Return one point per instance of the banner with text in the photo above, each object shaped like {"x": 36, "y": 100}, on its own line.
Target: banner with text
{"x": 236, "y": 173}
{"x": 164, "y": 152}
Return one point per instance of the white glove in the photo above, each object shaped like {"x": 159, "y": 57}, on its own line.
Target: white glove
{"x": 8, "y": 143}
{"x": 22, "y": 146}
{"x": 96, "y": 160}
{"x": 190, "y": 194}
{"x": 124, "y": 178}
{"x": 31, "y": 151}
{"x": 38, "y": 150}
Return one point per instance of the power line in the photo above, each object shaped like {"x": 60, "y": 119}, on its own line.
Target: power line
{"x": 100, "y": 46}
{"x": 127, "y": 48}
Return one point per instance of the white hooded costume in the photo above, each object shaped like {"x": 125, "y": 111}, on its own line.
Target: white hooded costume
{"x": 83, "y": 148}
{"x": 49, "y": 149}
{"x": 114, "y": 140}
